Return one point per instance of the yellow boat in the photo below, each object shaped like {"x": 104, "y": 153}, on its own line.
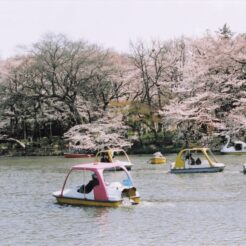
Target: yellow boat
{"x": 158, "y": 158}
{"x": 114, "y": 155}
{"x": 196, "y": 160}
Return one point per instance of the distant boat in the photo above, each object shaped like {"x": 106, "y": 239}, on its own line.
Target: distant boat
{"x": 196, "y": 160}
{"x": 238, "y": 147}
{"x": 77, "y": 155}
{"x": 74, "y": 152}
{"x": 158, "y": 158}
{"x": 114, "y": 155}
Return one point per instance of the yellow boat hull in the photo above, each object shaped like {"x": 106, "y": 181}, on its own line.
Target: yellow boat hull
{"x": 158, "y": 160}
{"x": 86, "y": 202}
{"x": 135, "y": 199}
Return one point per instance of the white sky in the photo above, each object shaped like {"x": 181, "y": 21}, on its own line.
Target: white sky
{"x": 114, "y": 23}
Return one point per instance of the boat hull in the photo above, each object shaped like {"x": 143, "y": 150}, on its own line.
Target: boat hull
{"x": 87, "y": 202}
{"x": 135, "y": 200}
{"x": 158, "y": 160}
{"x": 198, "y": 170}
{"x": 233, "y": 152}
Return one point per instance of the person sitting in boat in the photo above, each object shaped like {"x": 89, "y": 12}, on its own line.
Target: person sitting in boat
{"x": 158, "y": 154}
{"x": 189, "y": 159}
{"x": 110, "y": 153}
{"x": 198, "y": 161}
{"x": 89, "y": 187}
{"x": 105, "y": 158}
{"x": 192, "y": 160}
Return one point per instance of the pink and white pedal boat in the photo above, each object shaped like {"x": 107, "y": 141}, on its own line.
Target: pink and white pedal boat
{"x": 92, "y": 185}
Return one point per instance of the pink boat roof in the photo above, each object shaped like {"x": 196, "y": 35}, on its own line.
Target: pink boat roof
{"x": 96, "y": 166}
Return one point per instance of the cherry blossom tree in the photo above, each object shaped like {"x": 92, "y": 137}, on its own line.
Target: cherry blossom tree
{"x": 107, "y": 83}
{"x": 193, "y": 88}
{"x": 109, "y": 131}
{"x": 213, "y": 100}
{"x": 158, "y": 67}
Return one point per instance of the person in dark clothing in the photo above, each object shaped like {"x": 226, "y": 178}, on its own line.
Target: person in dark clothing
{"x": 192, "y": 160}
{"x": 105, "y": 158}
{"x": 89, "y": 187}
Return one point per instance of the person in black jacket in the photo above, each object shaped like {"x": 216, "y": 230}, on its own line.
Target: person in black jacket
{"x": 105, "y": 157}
{"x": 89, "y": 187}
{"x": 190, "y": 160}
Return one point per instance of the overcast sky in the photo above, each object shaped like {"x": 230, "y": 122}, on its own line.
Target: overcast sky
{"x": 114, "y": 23}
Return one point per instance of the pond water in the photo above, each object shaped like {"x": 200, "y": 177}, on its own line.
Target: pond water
{"x": 184, "y": 209}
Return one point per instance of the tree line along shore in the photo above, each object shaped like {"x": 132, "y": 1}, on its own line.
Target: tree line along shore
{"x": 162, "y": 95}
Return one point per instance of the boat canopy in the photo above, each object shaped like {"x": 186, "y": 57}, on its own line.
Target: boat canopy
{"x": 185, "y": 154}
{"x": 110, "y": 154}
{"x": 97, "y": 165}
{"x": 100, "y": 191}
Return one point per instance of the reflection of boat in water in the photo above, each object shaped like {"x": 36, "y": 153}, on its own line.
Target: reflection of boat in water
{"x": 196, "y": 160}
{"x": 105, "y": 188}
{"x": 114, "y": 155}
{"x": 158, "y": 158}
{"x": 238, "y": 147}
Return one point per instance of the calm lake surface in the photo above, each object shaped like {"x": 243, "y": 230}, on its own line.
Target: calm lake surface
{"x": 184, "y": 209}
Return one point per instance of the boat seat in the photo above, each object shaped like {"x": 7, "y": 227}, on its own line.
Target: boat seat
{"x": 73, "y": 193}
{"x": 205, "y": 163}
